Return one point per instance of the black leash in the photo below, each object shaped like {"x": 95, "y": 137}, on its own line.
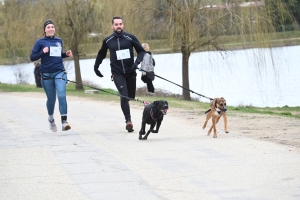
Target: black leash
{"x": 177, "y": 85}
{"x": 108, "y": 92}
{"x": 48, "y": 78}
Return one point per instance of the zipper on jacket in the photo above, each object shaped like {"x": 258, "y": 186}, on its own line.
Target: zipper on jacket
{"x": 121, "y": 60}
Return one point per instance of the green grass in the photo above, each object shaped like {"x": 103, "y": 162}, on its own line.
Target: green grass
{"x": 279, "y": 111}
{"x": 18, "y": 88}
{"x": 193, "y": 106}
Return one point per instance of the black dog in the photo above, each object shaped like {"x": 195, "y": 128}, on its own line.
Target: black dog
{"x": 153, "y": 113}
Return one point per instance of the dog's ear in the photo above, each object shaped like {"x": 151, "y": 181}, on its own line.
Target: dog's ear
{"x": 216, "y": 101}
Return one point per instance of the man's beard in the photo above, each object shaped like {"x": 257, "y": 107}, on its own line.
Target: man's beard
{"x": 118, "y": 30}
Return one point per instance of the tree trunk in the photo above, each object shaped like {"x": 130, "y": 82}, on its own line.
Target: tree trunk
{"x": 78, "y": 80}
{"x": 185, "y": 73}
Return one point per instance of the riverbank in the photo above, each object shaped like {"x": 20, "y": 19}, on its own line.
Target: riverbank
{"x": 249, "y": 78}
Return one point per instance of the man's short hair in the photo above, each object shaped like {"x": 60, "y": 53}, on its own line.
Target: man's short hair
{"x": 116, "y": 17}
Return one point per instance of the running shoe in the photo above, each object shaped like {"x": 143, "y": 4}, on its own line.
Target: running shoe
{"x": 66, "y": 126}
{"x": 129, "y": 126}
{"x": 52, "y": 125}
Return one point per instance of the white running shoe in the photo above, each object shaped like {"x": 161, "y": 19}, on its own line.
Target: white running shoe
{"x": 52, "y": 125}
{"x": 66, "y": 126}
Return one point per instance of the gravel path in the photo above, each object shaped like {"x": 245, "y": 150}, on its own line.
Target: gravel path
{"x": 98, "y": 159}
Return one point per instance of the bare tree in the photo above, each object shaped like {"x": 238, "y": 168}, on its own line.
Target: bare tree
{"x": 189, "y": 25}
{"x": 16, "y": 27}
{"x": 193, "y": 25}
{"x": 74, "y": 19}
{"x": 198, "y": 25}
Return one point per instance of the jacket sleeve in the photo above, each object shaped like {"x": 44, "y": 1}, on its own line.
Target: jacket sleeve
{"x": 36, "y": 52}
{"x": 139, "y": 49}
{"x": 101, "y": 54}
{"x": 63, "y": 54}
{"x": 146, "y": 59}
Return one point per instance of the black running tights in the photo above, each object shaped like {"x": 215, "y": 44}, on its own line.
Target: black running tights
{"x": 126, "y": 87}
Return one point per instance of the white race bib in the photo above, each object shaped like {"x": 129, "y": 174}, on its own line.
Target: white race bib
{"x": 123, "y": 54}
{"x": 55, "y": 51}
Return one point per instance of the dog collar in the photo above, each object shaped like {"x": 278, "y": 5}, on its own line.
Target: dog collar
{"x": 152, "y": 115}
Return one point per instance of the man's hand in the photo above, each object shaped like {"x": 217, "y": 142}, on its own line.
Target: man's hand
{"x": 135, "y": 66}
{"x": 98, "y": 73}
{"x": 69, "y": 53}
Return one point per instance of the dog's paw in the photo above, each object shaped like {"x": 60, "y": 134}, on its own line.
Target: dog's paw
{"x": 142, "y": 132}
{"x": 226, "y": 131}
{"x": 144, "y": 138}
{"x": 215, "y": 136}
{"x": 154, "y": 131}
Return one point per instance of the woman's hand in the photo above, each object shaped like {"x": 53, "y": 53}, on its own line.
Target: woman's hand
{"x": 46, "y": 50}
{"x": 69, "y": 53}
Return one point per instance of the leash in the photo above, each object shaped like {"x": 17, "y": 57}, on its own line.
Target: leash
{"x": 61, "y": 78}
{"x": 178, "y": 85}
{"x": 132, "y": 99}
{"x": 119, "y": 95}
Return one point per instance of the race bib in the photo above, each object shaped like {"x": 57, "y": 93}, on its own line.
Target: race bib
{"x": 55, "y": 51}
{"x": 123, "y": 54}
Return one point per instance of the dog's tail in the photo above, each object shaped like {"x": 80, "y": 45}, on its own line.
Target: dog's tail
{"x": 207, "y": 111}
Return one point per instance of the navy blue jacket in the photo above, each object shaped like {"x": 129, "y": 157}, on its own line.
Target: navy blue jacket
{"x": 49, "y": 64}
{"x": 116, "y": 42}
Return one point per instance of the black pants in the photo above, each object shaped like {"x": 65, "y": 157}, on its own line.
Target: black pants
{"x": 37, "y": 80}
{"x": 149, "y": 83}
{"x": 126, "y": 85}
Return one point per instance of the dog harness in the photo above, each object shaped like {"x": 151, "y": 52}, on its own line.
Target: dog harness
{"x": 152, "y": 115}
{"x": 219, "y": 110}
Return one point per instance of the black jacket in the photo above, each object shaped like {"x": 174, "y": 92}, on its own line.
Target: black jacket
{"x": 116, "y": 42}
{"x": 36, "y": 70}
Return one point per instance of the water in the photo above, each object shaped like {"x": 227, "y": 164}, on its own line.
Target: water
{"x": 257, "y": 77}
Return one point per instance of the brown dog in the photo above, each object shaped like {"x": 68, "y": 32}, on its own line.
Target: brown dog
{"x": 216, "y": 111}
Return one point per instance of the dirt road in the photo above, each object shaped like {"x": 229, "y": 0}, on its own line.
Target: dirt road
{"x": 98, "y": 159}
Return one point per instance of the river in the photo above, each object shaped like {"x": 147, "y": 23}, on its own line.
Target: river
{"x": 253, "y": 77}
